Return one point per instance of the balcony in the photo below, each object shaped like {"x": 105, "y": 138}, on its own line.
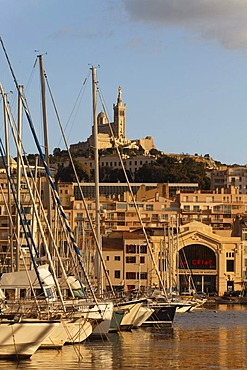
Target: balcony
{"x": 191, "y": 211}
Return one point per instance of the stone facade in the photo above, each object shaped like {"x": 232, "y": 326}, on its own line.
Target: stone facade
{"x": 211, "y": 263}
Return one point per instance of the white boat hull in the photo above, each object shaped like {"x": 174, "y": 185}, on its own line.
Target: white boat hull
{"x": 142, "y": 315}
{"x": 22, "y": 339}
{"x": 77, "y": 330}
{"x": 57, "y": 338}
{"x": 105, "y": 314}
{"x": 131, "y": 308}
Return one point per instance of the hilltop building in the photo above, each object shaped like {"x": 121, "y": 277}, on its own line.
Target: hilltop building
{"x": 113, "y": 133}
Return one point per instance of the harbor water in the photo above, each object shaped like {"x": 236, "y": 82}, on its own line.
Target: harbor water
{"x": 209, "y": 338}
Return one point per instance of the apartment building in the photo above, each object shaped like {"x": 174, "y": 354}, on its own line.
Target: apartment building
{"x": 128, "y": 261}
{"x": 195, "y": 224}
{"x": 118, "y": 211}
{"x": 217, "y": 209}
{"x": 194, "y": 259}
{"x": 226, "y": 177}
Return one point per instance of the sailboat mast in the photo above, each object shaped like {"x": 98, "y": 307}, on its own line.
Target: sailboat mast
{"x": 18, "y": 186}
{"x": 7, "y": 159}
{"x": 96, "y": 179}
{"x": 47, "y": 197}
{"x": 177, "y": 254}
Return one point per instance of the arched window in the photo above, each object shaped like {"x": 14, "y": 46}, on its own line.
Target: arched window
{"x": 197, "y": 257}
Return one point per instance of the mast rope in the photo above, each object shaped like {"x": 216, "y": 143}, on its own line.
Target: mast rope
{"x": 134, "y": 202}
{"x": 75, "y": 107}
{"x": 81, "y": 192}
{"x": 23, "y": 222}
{"x": 47, "y": 170}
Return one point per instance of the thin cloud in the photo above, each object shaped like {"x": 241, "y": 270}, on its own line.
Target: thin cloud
{"x": 135, "y": 42}
{"x": 222, "y": 20}
{"x": 73, "y": 33}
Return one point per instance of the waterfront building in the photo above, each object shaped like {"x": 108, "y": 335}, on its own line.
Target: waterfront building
{"x": 128, "y": 261}
{"x": 195, "y": 259}
{"x": 195, "y": 224}
{"x": 213, "y": 261}
{"x": 191, "y": 223}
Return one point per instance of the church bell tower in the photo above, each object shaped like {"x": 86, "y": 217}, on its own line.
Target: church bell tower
{"x": 119, "y": 116}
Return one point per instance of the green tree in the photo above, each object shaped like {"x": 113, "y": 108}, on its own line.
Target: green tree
{"x": 67, "y": 174}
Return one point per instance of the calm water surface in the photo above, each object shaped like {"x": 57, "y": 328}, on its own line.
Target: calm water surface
{"x": 214, "y": 338}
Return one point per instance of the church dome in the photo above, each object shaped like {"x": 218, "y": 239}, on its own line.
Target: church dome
{"x": 101, "y": 115}
{"x": 102, "y": 118}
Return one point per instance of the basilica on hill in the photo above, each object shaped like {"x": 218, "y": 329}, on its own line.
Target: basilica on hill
{"x": 113, "y": 133}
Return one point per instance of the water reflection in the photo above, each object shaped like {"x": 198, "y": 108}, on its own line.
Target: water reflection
{"x": 213, "y": 338}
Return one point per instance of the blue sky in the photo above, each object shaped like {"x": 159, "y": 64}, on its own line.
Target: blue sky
{"x": 182, "y": 65}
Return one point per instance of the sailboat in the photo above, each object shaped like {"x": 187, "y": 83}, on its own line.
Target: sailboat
{"x": 79, "y": 323}
{"x": 20, "y": 338}
{"x": 136, "y": 312}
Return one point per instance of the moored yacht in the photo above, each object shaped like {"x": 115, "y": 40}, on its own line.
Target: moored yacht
{"x": 142, "y": 315}
{"x": 163, "y": 314}
{"x": 131, "y": 309}
{"x": 20, "y": 339}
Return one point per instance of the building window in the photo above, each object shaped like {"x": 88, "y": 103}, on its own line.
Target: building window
{"x": 108, "y": 258}
{"x": 130, "y": 248}
{"x": 27, "y": 210}
{"x": 155, "y": 217}
{"x": 230, "y": 265}
{"x": 79, "y": 216}
{"x": 143, "y": 248}
{"x": 149, "y": 207}
{"x": 142, "y": 259}
{"x": 117, "y": 258}
{"x": 130, "y": 275}
{"x": 117, "y": 274}
{"x": 131, "y": 259}
{"x": 164, "y": 217}
{"x": 143, "y": 275}
{"x": 230, "y": 254}
{"x": 196, "y": 256}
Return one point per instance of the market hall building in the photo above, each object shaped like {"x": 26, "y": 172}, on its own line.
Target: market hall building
{"x": 208, "y": 262}
{"x": 201, "y": 260}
